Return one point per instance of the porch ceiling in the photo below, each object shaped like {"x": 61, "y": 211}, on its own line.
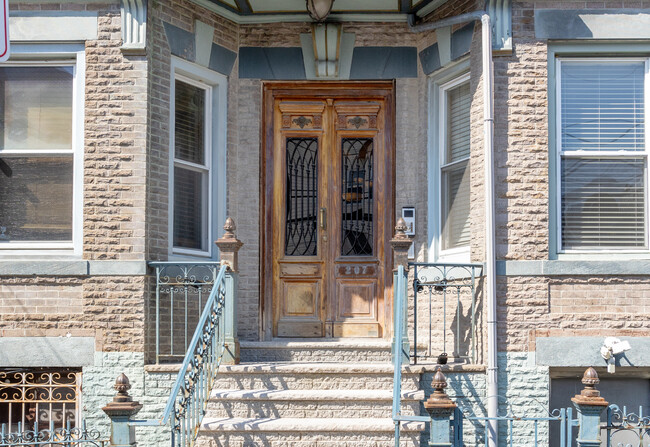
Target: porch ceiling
{"x": 265, "y": 11}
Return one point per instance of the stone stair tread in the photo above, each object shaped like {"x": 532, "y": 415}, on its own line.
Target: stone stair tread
{"x": 315, "y": 395}
{"x": 307, "y": 368}
{"x": 304, "y": 425}
{"x": 318, "y": 343}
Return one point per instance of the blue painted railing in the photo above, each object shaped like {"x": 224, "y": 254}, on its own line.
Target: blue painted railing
{"x": 188, "y": 400}
{"x": 624, "y": 428}
{"x": 519, "y": 430}
{"x": 401, "y": 349}
{"x": 52, "y": 437}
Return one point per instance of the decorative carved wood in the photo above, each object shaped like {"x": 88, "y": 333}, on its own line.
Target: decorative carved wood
{"x": 327, "y": 209}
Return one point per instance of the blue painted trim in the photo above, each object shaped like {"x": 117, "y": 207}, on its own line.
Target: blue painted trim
{"x": 384, "y": 63}
{"x": 181, "y": 43}
{"x": 461, "y": 41}
{"x": 585, "y": 351}
{"x": 73, "y": 268}
{"x": 592, "y": 24}
{"x": 573, "y": 268}
{"x": 222, "y": 59}
{"x": 271, "y": 63}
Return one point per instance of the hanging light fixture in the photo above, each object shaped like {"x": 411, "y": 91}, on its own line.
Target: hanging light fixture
{"x": 319, "y": 9}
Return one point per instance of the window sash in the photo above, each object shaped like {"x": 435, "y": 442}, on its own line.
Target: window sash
{"x": 188, "y": 244}
{"x": 454, "y": 153}
{"x": 569, "y": 235}
{"x": 75, "y": 61}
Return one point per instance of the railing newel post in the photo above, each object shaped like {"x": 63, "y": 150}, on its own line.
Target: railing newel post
{"x": 440, "y": 408}
{"x": 590, "y": 405}
{"x": 229, "y": 246}
{"x": 120, "y": 411}
{"x": 400, "y": 244}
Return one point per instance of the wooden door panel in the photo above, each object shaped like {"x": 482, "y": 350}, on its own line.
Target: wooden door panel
{"x": 327, "y": 245}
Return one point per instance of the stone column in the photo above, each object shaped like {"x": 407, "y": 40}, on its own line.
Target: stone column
{"x": 400, "y": 244}
{"x": 590, "y": 405}
{"x": 229, "y": 245}
{"x": 120, "y": 411}
{"x": 440, "y": 408}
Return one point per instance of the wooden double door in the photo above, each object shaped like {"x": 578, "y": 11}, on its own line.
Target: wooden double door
{"x": 328, "y": 208}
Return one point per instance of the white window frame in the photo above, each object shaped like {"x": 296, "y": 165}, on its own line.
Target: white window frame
{"x": 56, "y": 55}
{"x": 215, "y": 85}
{"x": 439, "y": 84}
{"x": 560, "y": 155}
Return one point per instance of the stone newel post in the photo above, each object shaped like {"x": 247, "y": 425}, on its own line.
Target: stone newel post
{"x": 590, "y": 405}
{"x": 400, "y": 244}
{"x": 229, "y": 245}
{"x": 120, "y": 411}
{"x": 440, "y": 408}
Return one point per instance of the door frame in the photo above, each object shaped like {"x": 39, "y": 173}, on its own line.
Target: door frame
{"x": 327, "y": 89}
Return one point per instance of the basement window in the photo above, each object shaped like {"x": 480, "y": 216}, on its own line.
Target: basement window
{"x": 39, "y": 395}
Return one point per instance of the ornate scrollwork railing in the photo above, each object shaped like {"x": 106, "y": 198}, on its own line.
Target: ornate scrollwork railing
{"x": 181, "y": 288}
{"x": 444, "y": 283}
{"x": 188, "y": 400}
{"x": 52, "y": 437}
{"x": 625, "y": 429}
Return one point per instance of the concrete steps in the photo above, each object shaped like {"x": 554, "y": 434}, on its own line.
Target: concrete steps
{"x": 349, "y": 350}
{"x": 309, "y": 404}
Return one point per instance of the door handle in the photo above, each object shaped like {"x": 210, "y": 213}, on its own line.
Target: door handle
{"x": 323, "y": 218}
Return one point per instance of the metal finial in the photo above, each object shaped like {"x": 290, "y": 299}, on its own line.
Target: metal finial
{"x": 122, "y": 386}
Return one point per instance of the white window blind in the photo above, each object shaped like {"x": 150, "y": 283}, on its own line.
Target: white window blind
{"x": 455, "y": 169}
{"x": 603, "y": 160}
{"x": 191, "y": 168}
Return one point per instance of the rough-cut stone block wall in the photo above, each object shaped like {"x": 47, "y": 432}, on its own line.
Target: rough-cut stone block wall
{"x": 521, "y": 144}
{"x": 114, "y": 146}
{"x": 110, "y": 308}
{"x": 529, "y": 307}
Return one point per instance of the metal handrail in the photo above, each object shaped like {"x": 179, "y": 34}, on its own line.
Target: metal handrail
{"x": 188, "y": 400}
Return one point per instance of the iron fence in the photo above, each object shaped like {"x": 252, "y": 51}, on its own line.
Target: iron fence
{"x": 52, "y": 437}
{"x": 626, "y": 429}
{"x": 181, "y": 289}
{"x": 449, "y": 287}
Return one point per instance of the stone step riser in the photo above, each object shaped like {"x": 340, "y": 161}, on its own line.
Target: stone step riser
{"x": 315, "y": 355}
{"x": 307, "y": 440}
{"x": 331, "y": 381}
{"x": 300, "y": 409}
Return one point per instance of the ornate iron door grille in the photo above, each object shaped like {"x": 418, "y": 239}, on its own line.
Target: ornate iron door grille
{"x": 302, "y": 197}
{"x": 357, "y": 207}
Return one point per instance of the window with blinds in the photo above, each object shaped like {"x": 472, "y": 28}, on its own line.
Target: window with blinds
{"x": 191, "y": 166}
{"x": 602, "y": 154}
{"x": 455, "y": 181}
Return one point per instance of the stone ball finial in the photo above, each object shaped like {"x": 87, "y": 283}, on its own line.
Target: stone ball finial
{"x": 122, "y": 386}
{"x": 400, "y": 229}
{"x": 229, "y": 228}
